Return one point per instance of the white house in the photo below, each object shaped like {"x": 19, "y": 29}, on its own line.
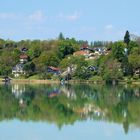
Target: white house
{"x": 17, "y": 70}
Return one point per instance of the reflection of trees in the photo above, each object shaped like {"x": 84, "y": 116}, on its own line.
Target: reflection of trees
{"x": 126, "y": 126}
{"x": 72, "y": 103}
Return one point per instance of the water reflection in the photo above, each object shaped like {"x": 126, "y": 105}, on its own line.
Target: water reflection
{"x": 68, "y": 104}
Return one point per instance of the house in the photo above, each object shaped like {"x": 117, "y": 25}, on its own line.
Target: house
{"x": 85, "y": 47}
{"x": 24, "y": 50}
{"x": 53, "y": 70}
{"x": 18, "y": 70}
{"x": 92, "y": 68}
{"x": 6, "y": 79}
{"x": 23, "y": 58}
{"x": 82, "y": 53}
{"x": 99, "y": 50}
{"x": 87, "y": 54}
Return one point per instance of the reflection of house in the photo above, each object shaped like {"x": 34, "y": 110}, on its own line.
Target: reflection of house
{"x": 53, "y": 70}
{"x": 23, "y": 58}
{"x": 69, "y": 93}
{"x": 17, "y": 90}
{"x": 18, "y": 69}
{"x": 53, "y": 93}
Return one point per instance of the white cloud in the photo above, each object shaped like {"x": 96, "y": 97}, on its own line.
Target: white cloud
{"x": 72, "y": 17}
{"x": 113, "y": 31}
{"x": 37, "y": 16}
{"x": 109, "y": 27}
{"x": 7, "y": 16}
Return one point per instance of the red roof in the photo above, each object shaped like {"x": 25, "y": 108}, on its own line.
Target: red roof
{"x": 23, "y": 56}
{"x": 81, "y": 53}
{"x": 53, "y": 68}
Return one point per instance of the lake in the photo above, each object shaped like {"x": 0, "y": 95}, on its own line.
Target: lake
{"x": 69, "y": 112}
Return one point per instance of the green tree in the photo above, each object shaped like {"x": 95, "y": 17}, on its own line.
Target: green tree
{"x": 132, "y": 45}
{"x": 66, "y": 50}
{"x": 127, "y": 38}
{"x": 29, "y": 68}
{"x": 118, "y": 51}
{"x": 112, "y": 70}
{"x": 35, "y": 49}
{"x": 134, "y": 58}
{"x": 61, "y": 36}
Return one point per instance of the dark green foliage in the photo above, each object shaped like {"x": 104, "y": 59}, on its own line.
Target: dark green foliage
{"x": 61, "y": 36}
{"x": 29, "y": 68}
{"x": 118, "y": 51}
{"x": 127, "y": 38}
{"x": 67, "y": 47}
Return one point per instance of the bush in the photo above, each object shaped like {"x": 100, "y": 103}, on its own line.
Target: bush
{"x": 96, "y": 78}
{"x": 136, "y": 77}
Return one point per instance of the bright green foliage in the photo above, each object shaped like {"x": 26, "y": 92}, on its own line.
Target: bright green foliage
{"x": 118, "y": 51}
{"x": 67, "y": 47}
{"x": 132, "y": 45}
{"x": 59, "y": 53}
{"x": 134, "y": 58}
{"x": 46, "y": 59}
{"x": 8, "y": 58}
{"x": 35, "y": 49}
{"x": 110, "y": 69}
{"x": 81, "y": 71}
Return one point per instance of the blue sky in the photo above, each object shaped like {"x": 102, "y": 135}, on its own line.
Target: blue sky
{"x": 98, "y": 130}
{"x": 83, "y": 19}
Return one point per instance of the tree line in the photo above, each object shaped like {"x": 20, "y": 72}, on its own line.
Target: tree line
{"x": 123, "y": 59}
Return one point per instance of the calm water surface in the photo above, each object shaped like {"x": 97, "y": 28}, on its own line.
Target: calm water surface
{"x": 70, "y": 112}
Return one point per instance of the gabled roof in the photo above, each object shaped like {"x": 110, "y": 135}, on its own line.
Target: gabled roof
{"x": 23, "y": 56}
{"x": 53, "y": 68}
{"x": 18, "y": 66}
{"x": 81, "y": 53}
{"x": 24, "y": 49}
{"x": 85, "y": 46}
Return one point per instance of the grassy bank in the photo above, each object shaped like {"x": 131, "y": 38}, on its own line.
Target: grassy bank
{"x": 56, "y": 81}
{"x": 33, "y": 81}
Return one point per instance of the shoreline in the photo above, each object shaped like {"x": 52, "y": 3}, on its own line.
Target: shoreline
{"x": 37, "y": 81}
